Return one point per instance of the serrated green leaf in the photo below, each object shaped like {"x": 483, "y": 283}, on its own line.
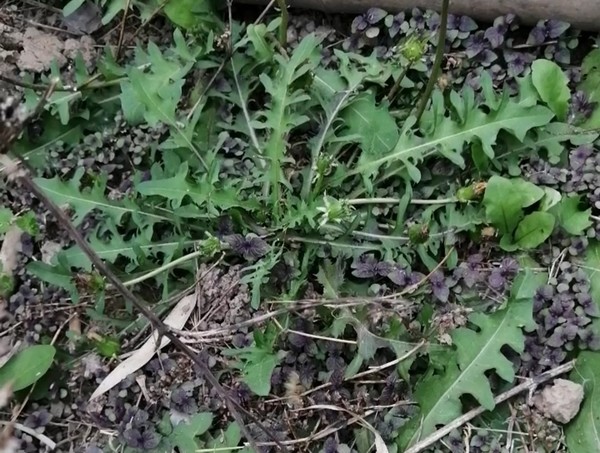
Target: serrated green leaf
{"x": 229, "y": 439}
{"x": 570, "y": 218}
{"x": 55, "y": 275}
{"x": 477, "y": 353}
{"x": 188, "y": 13}
{"x": 368, "y": 343}
{"x": 534, "y": 229}
{"x": 257, "y": 375}
{"x": 174, "y": 189}
{"x": 449, "y": 137}
{"x": 583, "y": 432}
{"x": 213, "y": 197}
{"x": 286, "y": 110}
{"x": 117, "y": 246}
{"x": 330, "y": 276}
{"x": 27, "y": 366}
{"x": 160, "y": 99}
{"x": 256, "y": 35}
{"x": 54, "y": 133}
{"x": 552, "y": 86}
{"x": 257, "y": 365}
{"x": 83, "y": 202}
{"x": 373, "y": 123}
{"x": 28, "y": 223}
{"x": 184, "y": 434}
{"x": 332, "y": 104}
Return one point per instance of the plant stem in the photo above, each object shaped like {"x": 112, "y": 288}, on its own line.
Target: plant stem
{"x": 166, "y": 267}
{"x": 437, "y": 63}
{"x": 284, "y": 22}
{"x": 396, "y": 87}
{"x": 361, "y": 201}
{"x": 332, "y": 244}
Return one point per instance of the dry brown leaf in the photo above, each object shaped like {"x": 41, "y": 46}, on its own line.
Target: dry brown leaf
{"x": 7, "y": 349}
{"x": 5, "y": 394}
{"x": 9, "y": 253}
{"x": 176, "y": 319}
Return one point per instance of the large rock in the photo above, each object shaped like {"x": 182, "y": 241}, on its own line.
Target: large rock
{"x": 583, "y": 14}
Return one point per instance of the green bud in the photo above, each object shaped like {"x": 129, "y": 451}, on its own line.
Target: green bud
{"x": 418, "y": 233}
{"x": 210, "y": 246}
{"x": 465, "y": 194}
{"x": 335, "y": 211}
{"x": 97, "y": 282}
{"x": 472, "y": 192}
{"x": 413, "y": 49}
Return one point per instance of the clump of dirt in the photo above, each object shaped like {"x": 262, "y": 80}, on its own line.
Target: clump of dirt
{"x": 560, "y": 401}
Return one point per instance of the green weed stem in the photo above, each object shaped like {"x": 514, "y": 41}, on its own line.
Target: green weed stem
{"x": 284, "y": 22}
{"x": 437, "y": 62}
{"x": 361, "y": 201}
{"x": 392, "y": 94}
{"x": 332, "y": 244}
{"x": 385, "y": 237}
{"x": 166, "y": 267}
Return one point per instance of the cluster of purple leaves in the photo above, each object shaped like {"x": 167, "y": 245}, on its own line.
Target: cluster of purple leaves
{"x": 469, "y": 274}
{"x": 564, "y": 313}
{"x": 482, "y": 441}
{"x": 369, "y": 267}
{"x": 547, "y": 33}
{"x": 251, "y": 247}
{"x": 580, "y": 177}
{"x": 580, "y": 108}
{"x": 137, "y": 431}
{"x": 495, "y": 49}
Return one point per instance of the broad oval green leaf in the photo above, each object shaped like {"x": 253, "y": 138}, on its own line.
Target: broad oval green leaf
{"x": 29, "y": 365}
{"x": 534, "y": 229}
{"x": 583, "y": 433}
{"x": 552, "y": 86}
{"x": 503, "y": 203}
